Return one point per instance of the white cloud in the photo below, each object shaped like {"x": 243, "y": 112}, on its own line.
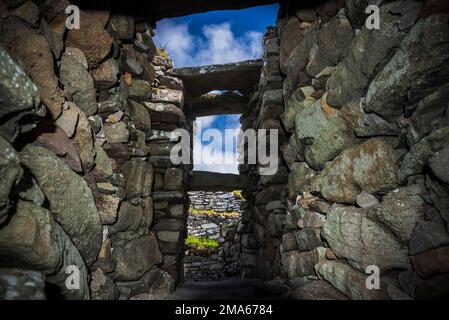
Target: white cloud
{"x": 217, "y": 44}
{"x": 211, "y": 156}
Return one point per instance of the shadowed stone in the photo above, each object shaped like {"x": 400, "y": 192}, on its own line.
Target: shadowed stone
{"x": 213, "y": 181}
{"x": 233, "y": 76}
{"x": 210, "y": 104}
{"x": 70, "y": 199}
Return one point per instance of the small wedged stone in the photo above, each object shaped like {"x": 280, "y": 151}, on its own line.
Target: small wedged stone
{"x": 400, "y": 210}
{"x": 83, "y": 141}
{"x": 333, "y": 40}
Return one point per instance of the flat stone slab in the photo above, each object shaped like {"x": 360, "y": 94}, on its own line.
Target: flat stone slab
{"x": 210, "y": 104}
{"x": 213, "y": 181}
{"x": 241, "y": 76}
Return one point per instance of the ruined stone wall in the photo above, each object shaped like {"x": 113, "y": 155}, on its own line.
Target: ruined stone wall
{"x": 86, "y": 179}
{"x": 214, "y": 265}
{"x": 219, "y": 224}
{"x": 363, "y": 180}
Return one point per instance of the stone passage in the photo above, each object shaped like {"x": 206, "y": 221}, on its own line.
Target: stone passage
{"x": 211, "y": 252}
{"x": 87, "y": 184}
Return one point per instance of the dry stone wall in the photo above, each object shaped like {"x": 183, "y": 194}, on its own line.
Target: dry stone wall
{"x": 215, "y": 216}
{"x": 86, "y": 180}
{"x": 362, "y": 119}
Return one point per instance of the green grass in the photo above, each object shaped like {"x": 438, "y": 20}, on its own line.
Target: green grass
{"x": 211, "y": 212}
{"x": 202, "y": 243}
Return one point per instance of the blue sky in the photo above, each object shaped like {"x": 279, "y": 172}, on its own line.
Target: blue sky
{"x": 213, "y": 38}
{"x": 216, "y": 36}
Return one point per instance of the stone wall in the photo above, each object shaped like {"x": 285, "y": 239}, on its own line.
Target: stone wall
{"x": 86, "y": 179}
{"x": 365, "y": 143}
{"x": 219, "y": 202}
{"x": 219, "y": 224}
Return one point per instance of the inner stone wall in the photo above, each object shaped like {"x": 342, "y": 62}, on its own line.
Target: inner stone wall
{"x": 362, "y": 118}
{"x": 87, "y": 182}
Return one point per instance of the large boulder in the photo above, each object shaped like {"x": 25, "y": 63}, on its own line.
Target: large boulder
{"x": 22, "y": 43}
{"x": 351, "y": 282}
{"x": 33, "y": 240}
{"x": 102, "y": 287}
{"x": 70, "y": 199}
{"x": 369, "y": 51}
{"x": 423, "y": 54}
{"x": 353, "y": 235}
{"x": 369, "y": 167}
{"x": 19, "y": 97}
{"x": 336, "y": 136}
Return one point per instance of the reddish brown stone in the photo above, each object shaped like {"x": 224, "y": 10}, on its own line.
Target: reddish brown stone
{"x": 117, "y": 151}
{"x": 329, "y": 9}
{"x": 149, "y": 73}
{"x": 52, "y": 137}
{"x": 92, "y": 38}
{"x": 432, "y": 262}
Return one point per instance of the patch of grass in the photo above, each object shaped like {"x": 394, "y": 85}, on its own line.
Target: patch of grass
{"x": 211, "y": 212}
{"x": 202, "y": 243}
{"x": 163, "y": 53}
